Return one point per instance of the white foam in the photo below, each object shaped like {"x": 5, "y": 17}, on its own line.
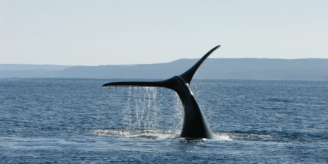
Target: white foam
{"x": 133, "y": 133}
{"x": 222, "y": 136}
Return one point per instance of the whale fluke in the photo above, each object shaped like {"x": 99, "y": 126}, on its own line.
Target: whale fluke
{"x": 195, "y": 124}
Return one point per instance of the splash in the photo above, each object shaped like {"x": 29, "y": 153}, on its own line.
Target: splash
{"x": 222, "y": 136}
{"x": 137, "y": 133}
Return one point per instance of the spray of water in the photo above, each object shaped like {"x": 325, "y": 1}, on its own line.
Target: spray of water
{"x": 141, "y": 111}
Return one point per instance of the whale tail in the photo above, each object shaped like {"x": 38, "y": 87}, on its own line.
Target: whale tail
{"x": 195, "y": 124}
{"x": 186, "y": 76}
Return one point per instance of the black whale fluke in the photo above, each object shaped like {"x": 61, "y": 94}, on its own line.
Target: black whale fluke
{"x": 195, "y": 124}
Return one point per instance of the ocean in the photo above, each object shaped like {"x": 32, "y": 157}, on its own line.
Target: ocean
{"x": 78, "y": 121}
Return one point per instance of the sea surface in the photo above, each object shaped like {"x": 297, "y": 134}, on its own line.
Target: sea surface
{"x": 78, "y": 121}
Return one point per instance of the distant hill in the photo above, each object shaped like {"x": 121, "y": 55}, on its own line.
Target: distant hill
{"x": 12, "y": 67}
{"x": 30, "y": 70}
{"x": 255, "y": 69}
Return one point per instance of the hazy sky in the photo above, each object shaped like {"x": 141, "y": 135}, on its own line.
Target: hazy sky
{"x": 102, "y": 32}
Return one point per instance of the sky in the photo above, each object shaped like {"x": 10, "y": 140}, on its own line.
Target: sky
{"x": 103, "y": 32}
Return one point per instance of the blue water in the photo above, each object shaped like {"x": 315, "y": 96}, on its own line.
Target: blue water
{"x": 78, "y": 121}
